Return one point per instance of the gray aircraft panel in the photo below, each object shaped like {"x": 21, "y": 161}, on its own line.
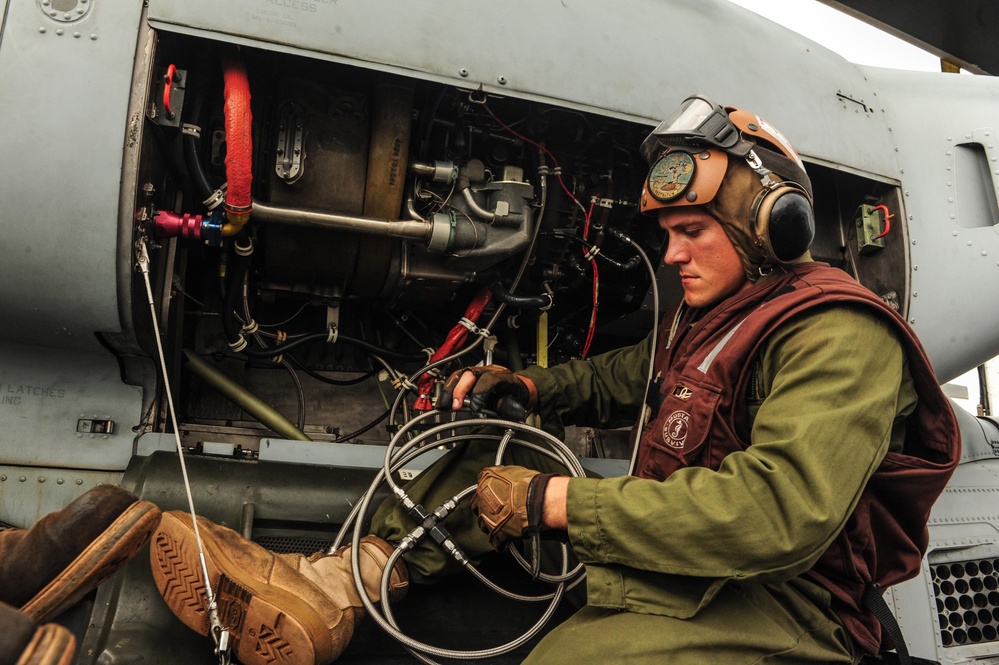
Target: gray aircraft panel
{"x": 793, "y": 82}
{"x": 63, "y": 397}
{"x": 962, "y": 528}
{"x": 64, "y": 89}
{"x": 29, "y": 493}
{"x": 945, "y": 133}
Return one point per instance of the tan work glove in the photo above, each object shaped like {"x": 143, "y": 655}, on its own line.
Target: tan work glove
{"x": 496, "y": 388}
{"x": 509, "y": 501}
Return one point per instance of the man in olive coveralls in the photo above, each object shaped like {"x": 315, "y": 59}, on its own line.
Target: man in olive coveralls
{"x": 792, "y": 445}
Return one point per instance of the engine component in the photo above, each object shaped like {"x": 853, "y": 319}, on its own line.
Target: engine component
{"x": 380, "y": 206}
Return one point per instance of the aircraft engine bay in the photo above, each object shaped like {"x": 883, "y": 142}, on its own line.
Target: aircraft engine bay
{"x": 328, "y": 254}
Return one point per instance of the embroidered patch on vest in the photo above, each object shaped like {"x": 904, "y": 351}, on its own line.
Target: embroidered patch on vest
{"x": 675, "y": 429}
{"x": 682, "y": 392}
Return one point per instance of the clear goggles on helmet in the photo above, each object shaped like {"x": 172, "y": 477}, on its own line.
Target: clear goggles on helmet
{"x": 697, "y": 122}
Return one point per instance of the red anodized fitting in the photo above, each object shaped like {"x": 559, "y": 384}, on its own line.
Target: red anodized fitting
{"x": 171, "y": 225}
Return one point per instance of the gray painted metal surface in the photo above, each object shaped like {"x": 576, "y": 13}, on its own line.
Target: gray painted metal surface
{"x": 950, "y": 199}
{"x": 636, "y": 59}
{"x": 353, "y": 456}
{"x": 962, "y": 527}
{"x": 64, "y": 89}
{"x": 65, "y": 81}
{"x": 344, "y": 455}
{"x": 45, "y": 396}
{"x": 29, "y": 492}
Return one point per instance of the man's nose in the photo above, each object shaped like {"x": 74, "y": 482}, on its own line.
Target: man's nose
{"x": 675, "y": 253}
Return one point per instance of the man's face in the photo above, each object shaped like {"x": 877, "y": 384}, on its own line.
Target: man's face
{"x": 710, "y": 268}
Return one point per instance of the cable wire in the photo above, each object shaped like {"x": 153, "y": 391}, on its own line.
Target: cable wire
{"x": 424, "y": 442}
{"x": 219, "y": 633}
{"x": 655, "y": 340}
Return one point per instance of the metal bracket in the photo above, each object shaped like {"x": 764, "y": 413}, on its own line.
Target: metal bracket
{"x": 873, "y": 224}
{"x": 289, "y": 154}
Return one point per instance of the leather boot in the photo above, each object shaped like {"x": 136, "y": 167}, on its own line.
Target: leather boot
{"x": 333, "y": 574}
{"x": 271, "y": 610}
{"x": 23, "y": 642}
{"x": 62, "y": 557}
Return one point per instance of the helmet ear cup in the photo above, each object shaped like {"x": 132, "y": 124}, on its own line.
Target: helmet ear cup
{"x": 783, "y": 222}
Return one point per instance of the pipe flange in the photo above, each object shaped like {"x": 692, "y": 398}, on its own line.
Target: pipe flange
{"x": 441, "y": 231}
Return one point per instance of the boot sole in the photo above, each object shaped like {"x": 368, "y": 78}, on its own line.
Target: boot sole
{"x": 266, "y": 624}
{"x": 51, "y": 645}
{"x": 121, "y": 541}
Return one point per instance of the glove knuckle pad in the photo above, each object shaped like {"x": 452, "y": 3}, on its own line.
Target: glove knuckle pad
{"x": 489, "y": 500}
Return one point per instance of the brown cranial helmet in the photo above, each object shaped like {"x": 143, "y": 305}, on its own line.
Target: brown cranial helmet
{"x": 742, "y": 170}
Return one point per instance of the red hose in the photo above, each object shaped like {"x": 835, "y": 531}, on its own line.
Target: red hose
{"x": 239, "y": 138}
{"x": 454, "y": 339}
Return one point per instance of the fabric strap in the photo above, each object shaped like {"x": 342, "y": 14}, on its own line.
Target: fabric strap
{"x": 875, "y": 602}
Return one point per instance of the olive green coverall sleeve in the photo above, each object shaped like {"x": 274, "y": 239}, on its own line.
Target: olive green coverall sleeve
{"x": 835, "y": 385}
{"x": 605, "y": 391}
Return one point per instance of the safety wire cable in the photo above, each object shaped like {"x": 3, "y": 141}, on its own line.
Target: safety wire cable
{"x": 219, "y": 633}
{"x": 430, "y": 525}
{"x": 574, "y": 577}
{"x": 652, "y": 350}
{"x": 397, "y": 462}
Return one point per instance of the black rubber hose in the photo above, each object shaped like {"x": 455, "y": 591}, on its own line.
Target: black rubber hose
{"x": 272, "y": 351}
{"x": 542, "y": 301}
{"x": 353, "y": 435}
{"x": 333, "y": 382}
{"x": 191, "y": 152}
{"x": 627, "y": 265}
{"x": 232, "y": 296}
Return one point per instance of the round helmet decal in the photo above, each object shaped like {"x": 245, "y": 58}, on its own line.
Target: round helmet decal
{"x": 670, "y": 175}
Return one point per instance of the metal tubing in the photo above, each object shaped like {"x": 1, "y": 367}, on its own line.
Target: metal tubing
{"x": 243, "y": 398}
{"x": 393, "y": 228}
{"x": 475, "y": 207}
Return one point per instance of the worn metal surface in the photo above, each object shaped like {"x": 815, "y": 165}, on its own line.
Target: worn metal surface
{"x": 577, "y": 53}
{"x": 64, "y": 90}
{"x": 44, "y": 393}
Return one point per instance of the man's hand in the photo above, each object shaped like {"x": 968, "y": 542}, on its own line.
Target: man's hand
{"x": 509, "y": 502}
{"x": 491, "y": 387}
